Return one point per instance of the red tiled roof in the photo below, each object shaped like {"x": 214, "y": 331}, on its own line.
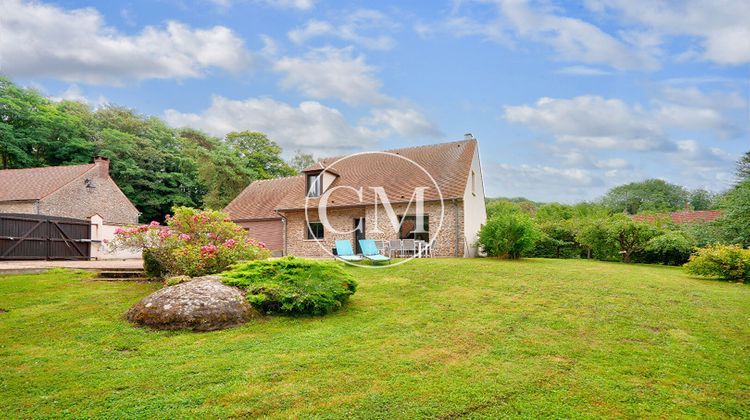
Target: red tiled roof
{"x": 259, "y": 199}
{"x": 681, "y": 217}
{"x": 37, "y": 183}
{"x": 447, "y": 163}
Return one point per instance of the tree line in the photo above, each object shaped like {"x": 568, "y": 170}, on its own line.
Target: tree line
{"x": 606, "y": 230}
{"x": 156, "y": 166}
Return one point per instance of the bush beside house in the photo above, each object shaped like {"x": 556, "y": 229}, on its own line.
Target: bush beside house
{"x": 193, "y": 243}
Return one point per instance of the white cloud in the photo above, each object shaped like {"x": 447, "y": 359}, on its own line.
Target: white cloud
{"x": 74, "y": 93}
{"x": 331, "y": 73}
{"x": 572, "y": 39}
{"x": 583, "y": 71}
{"x": 541, "y": 182}
{"x": 359, "y": 27}
{"x": 575, "y": 39}
{"x": 462, "y": 26}
{"x": 723, "y": 26}
{"x": 270, "y": 47}
{"x": 308, "y": 126}
{"x": 717, "y": 31}
{"x": 39, "y": 40}
{"x": 404, "y": 121}
{"x": 279, "y": 4}
{"x": 692, "y": 96}
{"x": 596, "y": 122}
{"x": 291, "y": 4}
{"x": 592, "y": 121}
{"x": 615, "y": 142}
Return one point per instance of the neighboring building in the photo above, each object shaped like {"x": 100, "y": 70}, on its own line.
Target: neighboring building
{"x": 75, "y": 191}
{"x": 681, "y": 217}
{"x": 274, "y": 212}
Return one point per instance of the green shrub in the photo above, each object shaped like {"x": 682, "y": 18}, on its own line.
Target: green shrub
{"x": 671, "y": 248}
{"x": 293, "y": 286}
{"x": 729, "y": 262}
{"x": 152, "y": 266}
{"x": 594, "y": 236}
{"x": 557, "y": 239}
{"x": 193, "y": 243}
{"x": 508, "y": 235}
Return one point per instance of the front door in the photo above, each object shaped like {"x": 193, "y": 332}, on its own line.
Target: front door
{"x": 359, "y": 233}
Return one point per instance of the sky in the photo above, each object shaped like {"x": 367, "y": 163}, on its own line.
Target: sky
{"x": 566, "y": 99}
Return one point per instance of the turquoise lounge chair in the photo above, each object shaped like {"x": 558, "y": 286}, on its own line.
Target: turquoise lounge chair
{"x": 370, "y": 251}
{"x": 344, "y": 251}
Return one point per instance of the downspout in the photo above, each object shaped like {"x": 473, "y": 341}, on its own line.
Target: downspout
{"x": 455, "y": 224}
{"x": 283, "y": 222}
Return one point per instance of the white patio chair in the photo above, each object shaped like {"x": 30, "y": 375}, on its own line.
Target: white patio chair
{"x": 382, "y": 247}
{"x": 408, "y": 247}
{"x": 394, "y": 247}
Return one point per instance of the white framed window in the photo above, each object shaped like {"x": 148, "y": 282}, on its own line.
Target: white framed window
{"x": 473, "y": 183}
{"x": 314, "y": 185}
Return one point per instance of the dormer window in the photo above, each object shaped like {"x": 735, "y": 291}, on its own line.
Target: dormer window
{"x": 314, "y": 185}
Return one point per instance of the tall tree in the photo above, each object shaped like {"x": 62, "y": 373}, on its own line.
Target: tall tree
{"x": 148, "y": 162}
{"x": 259, "y": 153}
{"x": 648, "y": 195}
{"x": 631, "y": 236}
{"x": 37, "y": 132}
{"x": 702, "y": 199}
{"x": 735, "y": 223}
{"x": 743, "y": 166}
{"x": 301, "y": 160}
{"x": 222, "y": 173}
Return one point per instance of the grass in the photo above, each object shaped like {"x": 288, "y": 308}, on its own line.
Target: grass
{"x": 431, "y": 338}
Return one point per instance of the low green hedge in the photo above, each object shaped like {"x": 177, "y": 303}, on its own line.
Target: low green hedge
{"x": 292, "y": 286}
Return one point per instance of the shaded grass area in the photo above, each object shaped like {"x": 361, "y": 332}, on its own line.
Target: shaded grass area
{"x": 430, "y": 338}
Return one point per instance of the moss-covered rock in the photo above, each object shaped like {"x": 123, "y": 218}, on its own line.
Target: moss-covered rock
{"x": 203, "y": 304}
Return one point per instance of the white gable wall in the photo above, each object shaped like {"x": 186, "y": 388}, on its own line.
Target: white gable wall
{"x": 475, "y": 213}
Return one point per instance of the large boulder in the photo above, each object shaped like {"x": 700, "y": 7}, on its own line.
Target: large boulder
{"x": 203, "y": 304}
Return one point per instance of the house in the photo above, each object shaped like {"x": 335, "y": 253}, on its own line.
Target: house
{"x": 350, "y": 197}
{"x": 76, "y": 191}
{"x": 680, "y": 217}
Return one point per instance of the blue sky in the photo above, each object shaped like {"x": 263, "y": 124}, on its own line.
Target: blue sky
{"x": 567, "y": 99}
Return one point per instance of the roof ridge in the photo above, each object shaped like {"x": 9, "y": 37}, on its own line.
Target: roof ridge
{"x": 431, "y": 145}
{"x": 276, "y": 179}
{"x": 45, "y": 167}
{"x": 421, "y": 146}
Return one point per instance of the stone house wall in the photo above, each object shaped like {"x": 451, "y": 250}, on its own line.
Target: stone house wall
{"x": 25, "y": 207}
{"x": 78, "y": 201}
{"x": 343, "y": 221}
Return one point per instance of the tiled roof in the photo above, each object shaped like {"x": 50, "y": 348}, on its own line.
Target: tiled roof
{"x": 37, "y": 183}
{"x": 260, "y": 199}
{"x": 447, "y": 163}
{"x": 681, "y": 217}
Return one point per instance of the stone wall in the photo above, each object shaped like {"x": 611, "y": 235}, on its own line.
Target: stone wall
{"x": 343, "y": 221}
{"x": 25, "y": 207}
{"x": 77, "y": 200}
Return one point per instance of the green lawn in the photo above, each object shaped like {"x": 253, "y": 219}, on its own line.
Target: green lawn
{"x": 431, "y": 338}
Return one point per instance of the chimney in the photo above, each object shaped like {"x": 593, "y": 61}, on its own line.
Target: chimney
{"x": 103, "y": 164}
{"x": 468, "y": 136}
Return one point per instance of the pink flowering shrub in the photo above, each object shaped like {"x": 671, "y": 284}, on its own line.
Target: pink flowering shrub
{"x": 193, "y": 243}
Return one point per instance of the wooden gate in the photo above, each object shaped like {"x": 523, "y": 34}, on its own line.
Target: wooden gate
{"x": 37, "y": 237}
